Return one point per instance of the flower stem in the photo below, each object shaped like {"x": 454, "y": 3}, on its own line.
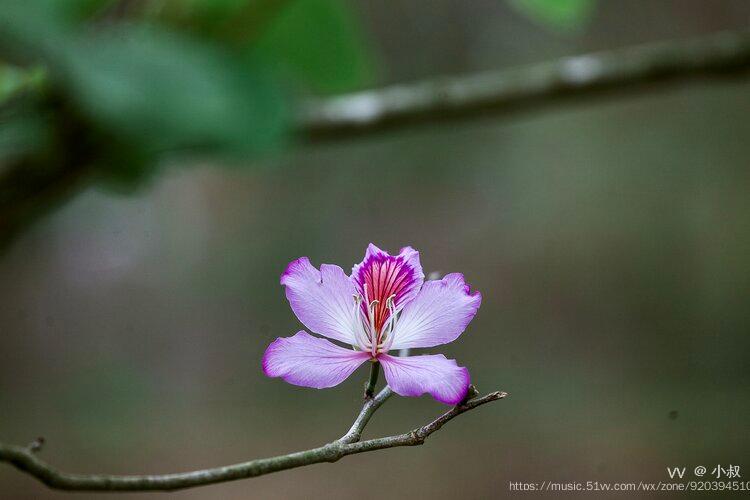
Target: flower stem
{"x": 370, "y": 387}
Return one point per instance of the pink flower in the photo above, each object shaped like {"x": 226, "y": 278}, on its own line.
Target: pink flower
{"x": 384, "y": 305}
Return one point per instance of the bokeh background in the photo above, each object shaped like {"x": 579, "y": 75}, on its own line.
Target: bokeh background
{"x": 610, "y": 239}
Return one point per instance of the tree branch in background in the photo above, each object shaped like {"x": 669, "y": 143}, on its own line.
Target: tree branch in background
{"x": 25, "y": 193}
{"x": 535, "y": 85}
{"x": 25, "y": 459}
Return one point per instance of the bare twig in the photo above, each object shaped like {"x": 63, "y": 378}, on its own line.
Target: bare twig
{"x": 24, "y": 459}
{"x": 497, "y": 92}
{"x": 369, "y": 408}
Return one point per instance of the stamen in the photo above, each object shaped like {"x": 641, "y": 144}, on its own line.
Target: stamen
{"x": 387, "y": 338}
{"x": 360, "y": 334}
{"x": 368, "y": 336}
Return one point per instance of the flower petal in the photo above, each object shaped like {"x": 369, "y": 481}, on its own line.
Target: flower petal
{"x": 322, "y": 300}
{"x": 380, "y": 276}
{"x": 442, "y": 378}
{"x": 438, "y": 315}
{"x": 310, "y": 361}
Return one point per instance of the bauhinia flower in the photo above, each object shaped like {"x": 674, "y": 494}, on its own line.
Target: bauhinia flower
{"x": 385, "y": 305}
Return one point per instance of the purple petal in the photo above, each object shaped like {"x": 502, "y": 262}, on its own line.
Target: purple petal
{"x": 310, "y": 361}
{"x": 438, "y": 315}
{"x": 322, "y": 300}
{"x": 442, "y": 378}
{"x": 380, "y": 276}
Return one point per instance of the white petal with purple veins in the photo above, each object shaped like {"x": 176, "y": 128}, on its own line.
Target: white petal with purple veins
{"x": 322, "y": 300}
{"x": 438, "y": 315}
{"x": 442, "y": 378}
{"x": 310, "y": 361}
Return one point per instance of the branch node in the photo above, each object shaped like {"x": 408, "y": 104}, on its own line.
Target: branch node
{"x": 417, "y": 436}
{"x": 470, "y": 394}
{"x": 334, "y": 452}
{"x": 36, "y": 445}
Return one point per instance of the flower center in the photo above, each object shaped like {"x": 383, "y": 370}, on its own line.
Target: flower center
{"x": 371, "y": 336}
{"x": 384, "y": 283}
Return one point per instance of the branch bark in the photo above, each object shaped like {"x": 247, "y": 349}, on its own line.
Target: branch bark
{"x": 535, "y": 85}
{"x": 26, "y": 460}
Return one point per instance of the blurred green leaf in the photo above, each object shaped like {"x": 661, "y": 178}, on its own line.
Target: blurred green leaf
{"x": 316, "y": 42}
{"x": 214, "y": 9}
{"x": 564, "y": 15}
{"x": 82, "y": 10}
{"x": 145, "y": 90}
{"x": 168, "y": 92}
{"x": 23, "y": 130}
{"x": 201, "y": 15}
{"x": 14, "y": 79}
{"x": 321, "y": 42}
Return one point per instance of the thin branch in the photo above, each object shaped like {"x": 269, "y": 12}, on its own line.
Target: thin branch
{"x": 497, "y": 92}
{"x": 24, "y": 458}
{"x": 370, "y": 407}
{"x": 419, "y": 435}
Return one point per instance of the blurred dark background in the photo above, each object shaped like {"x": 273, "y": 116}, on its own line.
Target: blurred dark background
{"x": 610, "y": 239}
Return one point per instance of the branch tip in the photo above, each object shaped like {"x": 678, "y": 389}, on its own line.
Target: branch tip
{"x": 471, "y": 393}
{"x": 36, "y": 445}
